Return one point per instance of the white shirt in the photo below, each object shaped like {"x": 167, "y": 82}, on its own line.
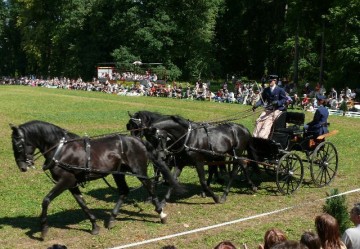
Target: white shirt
{"x": 351, "y": 237}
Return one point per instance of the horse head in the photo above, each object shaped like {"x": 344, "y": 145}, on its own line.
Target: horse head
{"x": 135, "y": 125}
{"x": 33, "y": 135}
{"x": 23, "y": 150}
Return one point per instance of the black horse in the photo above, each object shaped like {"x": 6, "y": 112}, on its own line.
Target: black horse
{"x": 75, "y": 160}
{"x": 195, "y": 144}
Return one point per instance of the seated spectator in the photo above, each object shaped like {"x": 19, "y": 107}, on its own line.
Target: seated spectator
{"x": 305, "y": 102}
{"x": 296, "y": 101}
{"x": 226, "y": 96}
{"x": 272, "y": 237}
{"x": 231, "y": 98}
{"x": 219, "y": 96}
{"x": 289, "y": 244}
{"x": 328, "y": 231}
{"x": 289, "y": 100}
{"x": 333, "y": 104}
{"x": 351, "y": 236}
{"x": 310, "y": 240}
{"x": 348, "y": 92}
{"x": 225, "y": 245}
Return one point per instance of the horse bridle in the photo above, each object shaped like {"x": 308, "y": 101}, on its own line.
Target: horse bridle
{"x": 19, "y": 142}
{"x": 139, "y": 124}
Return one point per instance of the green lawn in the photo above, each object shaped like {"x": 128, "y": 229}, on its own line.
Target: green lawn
{"x": 92, "y": 113}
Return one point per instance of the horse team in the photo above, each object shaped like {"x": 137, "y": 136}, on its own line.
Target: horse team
{"x": 170, "y": 143}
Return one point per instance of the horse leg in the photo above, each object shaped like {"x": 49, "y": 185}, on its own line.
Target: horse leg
{"x": 176, "y": 174}
{"x": 123, "y": 189}
{"x": 216, "y": 171}
{"x": 233, "y": 174}
{"x": 149, "y": 185}
{"x": 54, "y": 192}
{"x": 245, "y": 169}
{"x": 236, "y": 167}
{"x": 80, "y": 200}
{"x": 212, "y": 171}
{"x": 201, "y": 174}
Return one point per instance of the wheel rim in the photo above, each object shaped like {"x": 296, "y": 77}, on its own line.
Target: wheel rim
{"x": 289, "y": 173}
{"x": 324, "y": 164}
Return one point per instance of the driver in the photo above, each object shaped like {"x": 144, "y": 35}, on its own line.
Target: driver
{"x": 274, "y": 99}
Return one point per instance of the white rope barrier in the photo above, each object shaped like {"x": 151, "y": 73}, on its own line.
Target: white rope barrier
{"x": 230, "y": 222}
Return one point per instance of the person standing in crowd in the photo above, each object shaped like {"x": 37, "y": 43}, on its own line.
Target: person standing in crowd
{"x": 272, "y": 237}
{"x": 348, "y": 92}
{"x": 289, "y": 244}
{"x": 351, "y": 236}
{"x": 225, "y": 245}
{"x": 274, "y": 98}
{"x": 328, "y": 231}
{"x": 318, "y": 125}
{"x": 333, "y": 93}
{"x": 310, "y": 240}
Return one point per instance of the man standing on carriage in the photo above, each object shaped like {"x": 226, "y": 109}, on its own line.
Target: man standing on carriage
{"x": 274, "y": 99}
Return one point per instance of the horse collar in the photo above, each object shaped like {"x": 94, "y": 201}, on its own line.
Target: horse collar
{"x": 55, "y": 158}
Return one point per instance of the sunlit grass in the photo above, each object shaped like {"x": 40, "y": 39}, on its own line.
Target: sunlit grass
{"x": 95, "y": 113}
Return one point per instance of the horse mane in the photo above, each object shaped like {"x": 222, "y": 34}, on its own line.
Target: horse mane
{"x": 180, "y": 120}
{"x": 45, "y": 129}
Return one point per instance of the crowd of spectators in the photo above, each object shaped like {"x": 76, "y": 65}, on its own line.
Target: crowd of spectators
{"x": 247, "y": 93}
{"x": 326, "y": 235}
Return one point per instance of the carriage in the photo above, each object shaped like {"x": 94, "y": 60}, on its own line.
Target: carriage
{"x": 287, "y": 152}
{"x": 280, "y": 153}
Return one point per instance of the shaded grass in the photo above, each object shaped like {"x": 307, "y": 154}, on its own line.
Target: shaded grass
{"x": 97, "y": 113}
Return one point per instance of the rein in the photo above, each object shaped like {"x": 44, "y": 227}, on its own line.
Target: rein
{"x": 245, "y": 114}
{"x": 96, "y": 171}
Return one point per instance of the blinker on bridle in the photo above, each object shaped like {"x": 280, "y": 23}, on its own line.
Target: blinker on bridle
{"x": 21, "y": 147}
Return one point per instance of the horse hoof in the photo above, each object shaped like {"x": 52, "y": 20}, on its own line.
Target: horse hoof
{"x": 217, "y": 199}
{"x": 164, "y": 220}
{"x": 95, "y": 230}
{"x": 223, "y": 199}
{"x": 110, "y": 224}
{"x": 254, "y": 189}
{"x": 203, "y": 194}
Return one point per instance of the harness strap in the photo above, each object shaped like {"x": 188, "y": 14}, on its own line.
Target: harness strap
{"x": 208, "y": 137}
{"x": 87, "y": 151}
{"x": 55, "y": 159}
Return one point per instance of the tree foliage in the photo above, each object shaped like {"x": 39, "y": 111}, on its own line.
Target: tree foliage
{"x": 192, "y": 38}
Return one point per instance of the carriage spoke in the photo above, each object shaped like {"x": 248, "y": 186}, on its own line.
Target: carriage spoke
{"x": 289, "y": 173}
{"x": 323, "y": 164}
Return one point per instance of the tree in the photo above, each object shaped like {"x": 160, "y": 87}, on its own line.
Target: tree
{"x": 344, "y": 43}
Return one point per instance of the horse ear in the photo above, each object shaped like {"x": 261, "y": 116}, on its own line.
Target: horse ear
{"x": 13, "y": 127}
{"x": 130, "y": 115}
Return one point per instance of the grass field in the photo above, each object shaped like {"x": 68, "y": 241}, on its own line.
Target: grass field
{"x": 91, "y": 113}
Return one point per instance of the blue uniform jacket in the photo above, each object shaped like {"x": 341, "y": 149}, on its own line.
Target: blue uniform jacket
{"x": 318, "y": 125}
{"x": 278, "y": 95}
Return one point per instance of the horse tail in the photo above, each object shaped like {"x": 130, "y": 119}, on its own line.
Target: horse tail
{"x": 157, "y": 158}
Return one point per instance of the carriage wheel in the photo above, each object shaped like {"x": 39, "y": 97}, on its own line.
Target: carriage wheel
{"x": 289, "y": 173}
{"x": 324, "y": 164}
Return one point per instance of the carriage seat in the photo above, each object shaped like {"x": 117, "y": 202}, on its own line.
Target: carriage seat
{"x": 286, "y": 126}
{"x": 291, "y": 123}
